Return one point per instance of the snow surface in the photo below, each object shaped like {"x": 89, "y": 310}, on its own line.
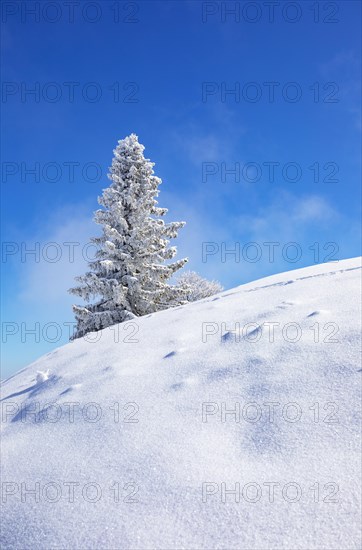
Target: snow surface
{"x": 159, "y": 453}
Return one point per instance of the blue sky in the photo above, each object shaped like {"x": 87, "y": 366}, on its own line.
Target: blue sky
{"x": 166, "y": 71}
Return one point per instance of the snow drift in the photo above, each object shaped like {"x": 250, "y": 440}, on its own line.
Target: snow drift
{"x": 229, "y": 423}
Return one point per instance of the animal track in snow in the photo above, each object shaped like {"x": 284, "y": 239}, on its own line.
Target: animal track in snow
{"x": 317, "y": 312}
{"x": 235, "y": 336}
{"x": 285, "y": 305}
{"x": 168, "y": 355}
{"x": 189, "y": 381}
{"x": 70, "y": 389}
{"x": 313, "y": 314}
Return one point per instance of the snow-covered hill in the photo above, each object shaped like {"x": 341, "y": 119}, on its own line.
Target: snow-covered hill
{"x": 133, "y": 443}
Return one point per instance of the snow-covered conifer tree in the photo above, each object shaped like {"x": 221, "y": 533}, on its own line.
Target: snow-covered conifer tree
{"x": 129, "y": 276}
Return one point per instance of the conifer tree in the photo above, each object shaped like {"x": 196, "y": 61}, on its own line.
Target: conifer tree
{"x": 129, "y": 275}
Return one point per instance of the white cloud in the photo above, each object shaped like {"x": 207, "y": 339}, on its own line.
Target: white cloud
{"x": 288, "y": 218}
{"x": 65, "y": 238}
{"x": 344, "y": 70}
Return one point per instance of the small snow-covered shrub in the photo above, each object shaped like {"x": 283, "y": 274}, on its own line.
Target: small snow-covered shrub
{"x": 196, "y": 287}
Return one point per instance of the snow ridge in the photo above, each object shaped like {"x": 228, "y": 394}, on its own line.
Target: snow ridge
{"x": 228, "y": 423}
